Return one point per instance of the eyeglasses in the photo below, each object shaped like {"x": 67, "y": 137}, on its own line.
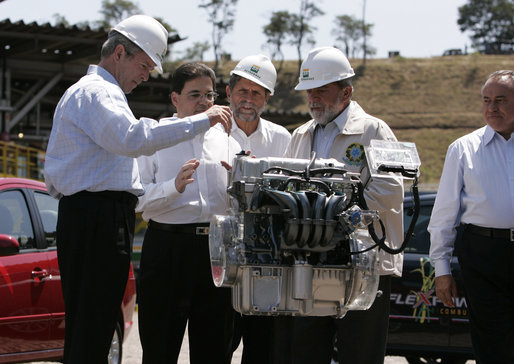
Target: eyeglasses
{"x": 197, "y": 96}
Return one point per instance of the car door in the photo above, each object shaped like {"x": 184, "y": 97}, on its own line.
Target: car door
{"x": 47, "y": 208}
{"x": 26, "y": 292}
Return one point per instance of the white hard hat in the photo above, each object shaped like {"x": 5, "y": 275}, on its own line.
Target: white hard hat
{"x": 148, "y": 34}
{"x": 259, "y": 69}
{"x": 322, "y": 66}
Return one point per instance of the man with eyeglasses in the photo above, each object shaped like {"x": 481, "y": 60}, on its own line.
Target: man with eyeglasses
{"x": 184, "y": 186}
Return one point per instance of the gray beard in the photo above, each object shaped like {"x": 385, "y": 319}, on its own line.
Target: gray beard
{"x": 246, "y": 118}
{"x": 324, "y": 118}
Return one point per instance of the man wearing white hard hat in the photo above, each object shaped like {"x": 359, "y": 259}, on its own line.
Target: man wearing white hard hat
{"x": 341, "y": 129}
{"x": 251, "y": 84}
{"x": 90, "y": 168}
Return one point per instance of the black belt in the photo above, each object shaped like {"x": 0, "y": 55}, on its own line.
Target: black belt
{"x": 504, "y": 234}
{"x": 121, "y": 196}
{"x": 195, "y": 229}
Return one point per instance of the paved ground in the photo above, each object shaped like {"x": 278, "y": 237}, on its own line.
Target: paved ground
{"x": 132, "y": 351}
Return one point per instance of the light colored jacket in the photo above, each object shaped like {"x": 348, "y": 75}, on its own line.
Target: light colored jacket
{"x": 382, "y": 194}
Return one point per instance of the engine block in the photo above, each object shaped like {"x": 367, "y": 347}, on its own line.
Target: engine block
{"x": 295, "y": 240}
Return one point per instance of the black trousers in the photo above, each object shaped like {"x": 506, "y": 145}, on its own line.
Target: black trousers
{"x": 175, "y": 289}
{"x": 261, "y": 342}
{"x": 360, "y": 336}
{"x": 487, "y": 266}
{"x": 94, "y": 241}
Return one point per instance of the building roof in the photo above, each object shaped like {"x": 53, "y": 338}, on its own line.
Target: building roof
{"x": 47, "y": 43}
{"x": 38, "y": 62}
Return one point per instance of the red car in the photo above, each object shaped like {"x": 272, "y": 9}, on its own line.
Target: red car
{"x": 32, "y": 307}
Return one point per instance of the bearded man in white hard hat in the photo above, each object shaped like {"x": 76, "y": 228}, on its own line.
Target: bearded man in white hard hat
{"x": 341, "y": 129}
{"x": 251, "y": 84}
{"x": 90, "y": 168}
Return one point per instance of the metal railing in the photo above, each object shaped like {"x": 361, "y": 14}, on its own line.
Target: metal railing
{"x": 21, "y": 161}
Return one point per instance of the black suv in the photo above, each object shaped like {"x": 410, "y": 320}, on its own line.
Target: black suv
{"x": 421, "y": 328}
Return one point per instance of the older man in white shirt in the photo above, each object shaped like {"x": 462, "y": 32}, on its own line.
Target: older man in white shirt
{"x": 90, "y": 168}
{"x": 477, "y": 191}
{"x": 251, "y": 84}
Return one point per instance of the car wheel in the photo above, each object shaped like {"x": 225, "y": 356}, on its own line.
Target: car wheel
{"x": 116, "y": 349}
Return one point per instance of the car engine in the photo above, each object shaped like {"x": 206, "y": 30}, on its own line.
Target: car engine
{"x": 296, "y": 239}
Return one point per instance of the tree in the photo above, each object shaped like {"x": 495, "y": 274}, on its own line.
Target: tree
{"x": 60, "y": 20}
{"x": 115, "y": 11}
{"x": 490, "y": 24}
{"x": 351, "y": 32}
{"x": 276, "y": 31}
{"x": 196, "y": 51}
{"x": 299, "y": 30}
{"x": 347, "y": 31}
{"x": 221, "y": 15}
{"x": 168, "y": 27}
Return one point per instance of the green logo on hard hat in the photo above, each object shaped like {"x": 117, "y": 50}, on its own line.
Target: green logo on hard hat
{"x": 255, "y": 69}
{"x": 305, "y": 73}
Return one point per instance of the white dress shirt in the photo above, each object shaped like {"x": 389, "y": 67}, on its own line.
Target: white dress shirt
{"x": 476, "y": 187}
{"x": 202, "y": 198}
{"x": 268, "y": 140}
{"x": 95, "y": 138}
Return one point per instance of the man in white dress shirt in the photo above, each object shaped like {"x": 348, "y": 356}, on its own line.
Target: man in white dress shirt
{"x": 477, "y": 190}
{"x": 185, "y": 185}
{"x": 251, "y": 84}
{"x": 90, "y": 167}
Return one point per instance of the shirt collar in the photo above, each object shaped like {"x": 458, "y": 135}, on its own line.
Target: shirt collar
{"x": 489, "y": 135}
{"x": 102, "y": 72}
{"x": 235, "y": 128}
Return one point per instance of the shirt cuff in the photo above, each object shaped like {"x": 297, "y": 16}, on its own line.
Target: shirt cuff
{"x": 200, "y": 123}
{"x": 169, "y": 188}
{"x": 442, "y": 267}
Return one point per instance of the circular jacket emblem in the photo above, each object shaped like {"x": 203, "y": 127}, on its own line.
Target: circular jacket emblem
{"x": 355, "y": 154}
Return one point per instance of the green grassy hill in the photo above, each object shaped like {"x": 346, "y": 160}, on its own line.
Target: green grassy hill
{"x": 428, "y": 101}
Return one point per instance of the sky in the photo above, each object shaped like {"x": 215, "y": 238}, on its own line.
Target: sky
{"x": 415, "y": 28}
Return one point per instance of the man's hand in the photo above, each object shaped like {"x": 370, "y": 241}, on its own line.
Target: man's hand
{"x": 445, "y": 289}
{"x": 228, "y": 167}
{"x": 220, "y": 114}
{"x": 184, "y": 176}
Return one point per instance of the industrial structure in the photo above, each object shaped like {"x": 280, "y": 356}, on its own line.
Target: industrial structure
{"x": 38, "y": 63}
